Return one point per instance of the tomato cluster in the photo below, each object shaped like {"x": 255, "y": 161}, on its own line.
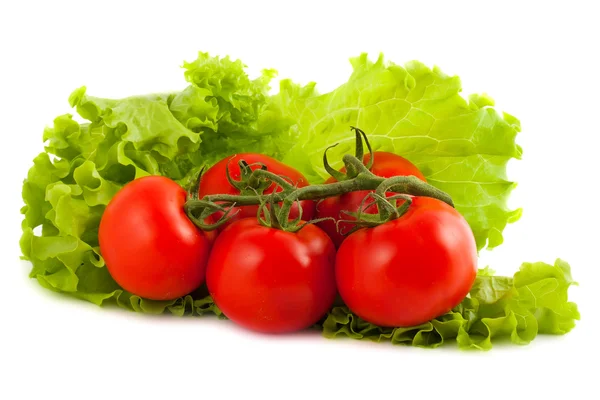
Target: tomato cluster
{"x": 401, "y": 273}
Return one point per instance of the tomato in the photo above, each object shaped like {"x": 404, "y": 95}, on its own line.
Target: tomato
{"x": 214, "y": 181}
{"x": 269, "y": 280}
{"x": 385, "y": 165}
{"x": 150, "y": 247}
{"x": 409, "y": 270}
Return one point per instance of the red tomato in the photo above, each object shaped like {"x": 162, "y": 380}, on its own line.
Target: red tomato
{"x": 150, "y": 247}
{"x": 214, "y": 181}
{"x": 409, "y": 270}
{"x": 269, "y": 280}
{"x": 385, "y": 165}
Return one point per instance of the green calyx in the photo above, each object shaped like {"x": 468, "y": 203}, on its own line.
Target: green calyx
{"x": 388, "y": 209}
{"x": 248, "y": 182}
{"x": 270, "y": 215}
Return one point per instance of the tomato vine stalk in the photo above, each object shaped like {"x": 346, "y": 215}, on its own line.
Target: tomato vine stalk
{"x": 275, "y": 208}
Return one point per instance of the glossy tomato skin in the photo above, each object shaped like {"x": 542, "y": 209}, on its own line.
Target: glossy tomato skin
{"x": 409, "y": 270}
{"x": 214, "y": 181}
{"x": 385, "y": 165}
{"x": 150, "y": 247}
{"x": 272, "y": 281}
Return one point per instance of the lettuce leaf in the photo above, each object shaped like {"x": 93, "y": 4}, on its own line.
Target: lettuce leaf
{"x": 534, "y": 300}
{"x": 461, "y": 146}
{"x": 234, "y": 113}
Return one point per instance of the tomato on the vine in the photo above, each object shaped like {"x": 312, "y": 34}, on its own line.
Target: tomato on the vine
{"x": 385, "y": 165}
{"x": 214, "y": 181}
{"x": 269, "y": 280}
{"x": 409, "y": 270}
{"x": 150, "y": 247}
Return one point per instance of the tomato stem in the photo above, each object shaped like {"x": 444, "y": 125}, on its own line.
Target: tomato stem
{"x": 273, "y": 178}
{"x": 276, "y": 207}
{"x": 192, "y": 207}
{"x": 364, "y": 180}
{"x": 361, "y": 219}
{"x": 339, "y": 176}
{"x": 360, "y": 135}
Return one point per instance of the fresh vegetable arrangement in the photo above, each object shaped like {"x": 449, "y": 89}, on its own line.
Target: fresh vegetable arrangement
{"x": 359, "y": 212}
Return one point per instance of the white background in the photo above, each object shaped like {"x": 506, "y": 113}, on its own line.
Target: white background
{"x": 538, "y": 63}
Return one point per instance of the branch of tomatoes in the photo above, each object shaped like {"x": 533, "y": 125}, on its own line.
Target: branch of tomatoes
{"x": 277, "y": 206}
{"x": 399, "y": 272}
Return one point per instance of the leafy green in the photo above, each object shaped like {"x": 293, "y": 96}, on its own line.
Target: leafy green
{"x": 233, "y": 113}
{"x": 461, "y": 146}
{"x": 518, "y": 308}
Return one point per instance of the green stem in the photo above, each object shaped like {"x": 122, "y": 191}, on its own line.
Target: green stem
{"x": 337, "y": 175}
{"x": 363, "y": 181}
{"x": 360, "y": 135}
{"x": 264, "y": 174}
{"x": 359, "y": 179}
{"x": 414, "y": 186}
{"x": 353, "y": 163}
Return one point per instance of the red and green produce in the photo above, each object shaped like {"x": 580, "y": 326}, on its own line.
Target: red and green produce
{"x": 97, "y": 227}
{"x": 385, "y": 165}
{"x": 215, "y": 181}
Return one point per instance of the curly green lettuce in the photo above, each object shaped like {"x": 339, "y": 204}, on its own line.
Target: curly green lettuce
{"x": 461, "y": 146}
